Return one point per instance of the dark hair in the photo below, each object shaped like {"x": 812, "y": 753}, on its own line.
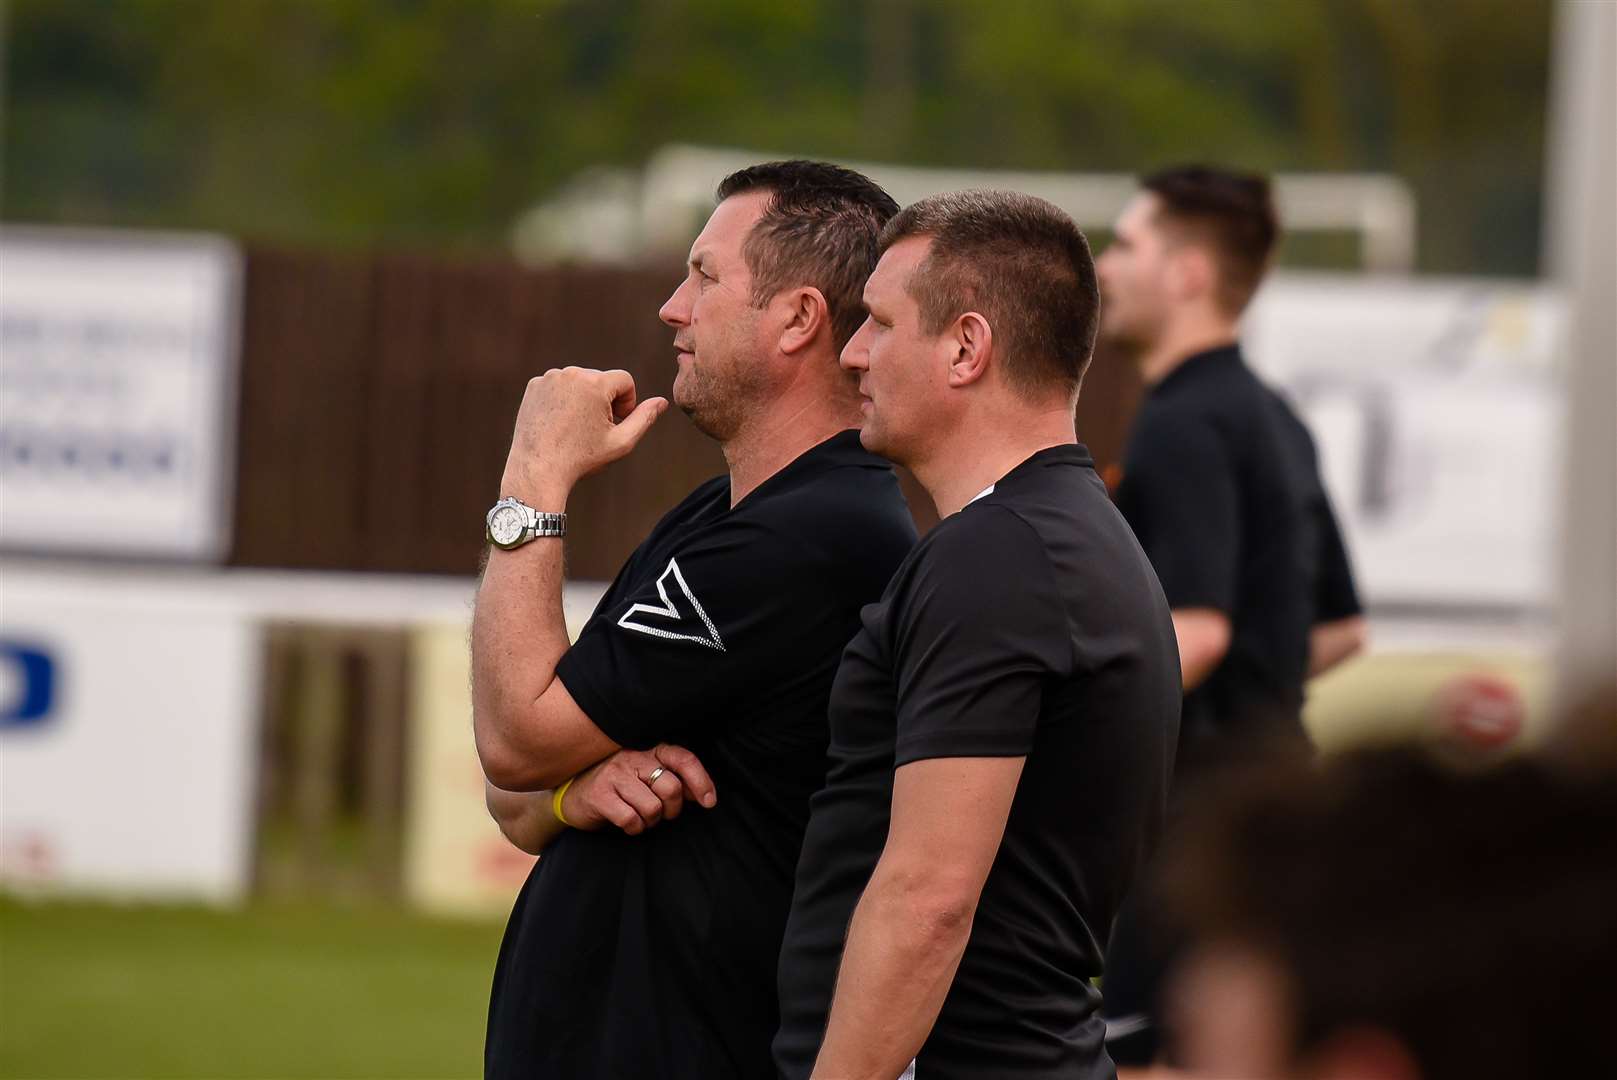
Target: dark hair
{"x": 819, "y": 228}
{"x": 1022, "y": 264}
{"x": 1398, "y": 893}
{"x": 1231, "y": 213}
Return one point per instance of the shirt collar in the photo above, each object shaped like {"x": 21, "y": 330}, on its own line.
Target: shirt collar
{"x": 843, "y": 448}
{"x": 1202, "y": 362}
{"x": 1061, "y": 454}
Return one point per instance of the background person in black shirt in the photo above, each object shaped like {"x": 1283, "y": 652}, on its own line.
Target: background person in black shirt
{"x": 654, "y": 955}
{"x": 1221, "y": 485}
{"x": 1002, "y": 725}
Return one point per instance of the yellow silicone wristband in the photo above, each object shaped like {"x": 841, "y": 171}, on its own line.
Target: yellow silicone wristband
{"x": 555, "y": 803}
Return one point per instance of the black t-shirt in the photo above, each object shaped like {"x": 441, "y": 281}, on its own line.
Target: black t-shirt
{"x": 1028, "y": 624}
{"x": 654, "y": 955}
{"x": 1221, "y": 485}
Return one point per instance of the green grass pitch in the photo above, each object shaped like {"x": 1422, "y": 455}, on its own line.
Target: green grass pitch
{"x": 264, "y": 991}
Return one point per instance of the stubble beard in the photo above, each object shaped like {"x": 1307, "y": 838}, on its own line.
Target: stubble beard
{"x": 715, "y": 402}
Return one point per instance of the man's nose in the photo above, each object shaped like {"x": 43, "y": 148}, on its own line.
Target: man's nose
{"x": 854, "y": 354}
{"x": 1104, "y": 264}
{"x": 675, "y": 310}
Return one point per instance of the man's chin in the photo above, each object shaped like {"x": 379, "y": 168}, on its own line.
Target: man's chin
{"x": 685, "y": 397}
{"x": 872, "y": 438}
{"x": 1121, "y": 339}
{"x": 710, "y": 421}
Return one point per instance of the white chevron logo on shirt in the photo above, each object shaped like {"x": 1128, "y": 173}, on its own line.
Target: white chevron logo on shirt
{"x": 668, "y": 611}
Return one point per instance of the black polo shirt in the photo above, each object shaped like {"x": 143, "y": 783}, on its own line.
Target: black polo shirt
{"x": 654, "y": 955}
{"x": 1221, "y": 485}
{"x": 1028, "y": 624}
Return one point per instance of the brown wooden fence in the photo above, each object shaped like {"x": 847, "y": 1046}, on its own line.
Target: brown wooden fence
{"x": 378, "y": 394}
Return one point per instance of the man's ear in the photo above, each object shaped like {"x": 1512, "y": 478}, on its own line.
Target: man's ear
{"x": 807, "y": 316}
{"x": 1192, "y": 272}
{"x": 971, "y": 344}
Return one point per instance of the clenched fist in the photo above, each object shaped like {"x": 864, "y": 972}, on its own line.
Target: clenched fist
{"x": 573, "y": 422}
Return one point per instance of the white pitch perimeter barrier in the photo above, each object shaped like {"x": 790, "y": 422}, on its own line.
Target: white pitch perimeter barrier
{"x": 134, "y": 700}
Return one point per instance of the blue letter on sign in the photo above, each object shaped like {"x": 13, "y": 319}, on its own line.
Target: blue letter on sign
{"x": 34, "y": 676}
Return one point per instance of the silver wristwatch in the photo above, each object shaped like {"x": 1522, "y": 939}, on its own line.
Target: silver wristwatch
{"x": 512, "y": 523}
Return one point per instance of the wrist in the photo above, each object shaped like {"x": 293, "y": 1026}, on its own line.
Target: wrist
{"x": 557, "y": 799}
{"x": 546, "y": 493}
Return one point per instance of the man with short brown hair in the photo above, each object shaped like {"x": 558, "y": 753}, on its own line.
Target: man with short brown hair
{"x": 1221, "y": 484}
{"x": 1002, "y": 724}
{"x": 1220, "y": 480}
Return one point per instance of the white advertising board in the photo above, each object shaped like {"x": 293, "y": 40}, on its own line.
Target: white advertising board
{"x": 1437, "y": 407}
{"x": 127, "y": 740}
{"x": 118, "y": 360}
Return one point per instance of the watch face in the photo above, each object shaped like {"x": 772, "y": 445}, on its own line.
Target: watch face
{"x": 505, "y": 526}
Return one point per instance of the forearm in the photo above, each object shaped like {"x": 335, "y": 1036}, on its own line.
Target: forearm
{"x": 519, "y": 633}
{"x": 897, "y": 966}
{"x": 1332, "y": 642}
{"x": 525, "y": 817}
{"x": 1194, "y": 669}
{"x": 1204, "y": 639}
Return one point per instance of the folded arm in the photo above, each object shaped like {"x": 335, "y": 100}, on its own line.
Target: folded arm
{"x": 525, "y": 817}
{"x": 631, "y": 790}
{"x": 530, "y": 733}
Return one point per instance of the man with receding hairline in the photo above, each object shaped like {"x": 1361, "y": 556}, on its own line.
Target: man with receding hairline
{"x": 1002, "y": 725}
{"x": 643, "y": 943}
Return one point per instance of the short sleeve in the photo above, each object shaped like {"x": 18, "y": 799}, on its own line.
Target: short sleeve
{"x": 1335, "y": 594}
{"x": 978, "y": 632}
{"x": 699, "y": 630}
{"x": 1185, "y": 510}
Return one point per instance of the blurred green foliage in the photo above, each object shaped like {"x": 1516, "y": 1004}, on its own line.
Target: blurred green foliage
{"x": 435, "y": 122}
